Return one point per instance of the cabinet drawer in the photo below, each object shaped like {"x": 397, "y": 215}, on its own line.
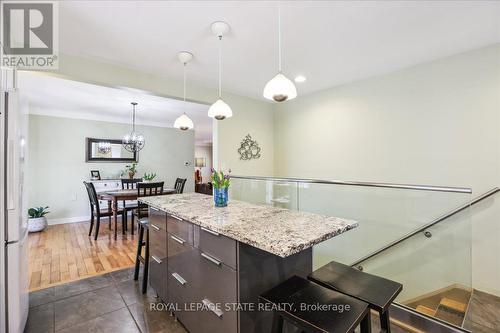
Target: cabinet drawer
{"x": 182, "y": 258}
{"x": 181, "y": 288}
{"x": 218, "y": 289}
{"x": 215, "y": 318}
{"x": 217, "y": 281}
{"x": 181, "y": 295}
{"x": 180, "y": 228}
{"x": 157, "y": 242}
{"x": 107, "y": 186}
{"x": 157, "y": 273}
{"x": 157, "y": 218}
{"x": 216, "y": 245}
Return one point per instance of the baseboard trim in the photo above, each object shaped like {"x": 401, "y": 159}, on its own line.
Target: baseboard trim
{"x": 68, "y": 220}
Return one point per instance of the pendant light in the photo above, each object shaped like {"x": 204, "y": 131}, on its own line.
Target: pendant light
{"x": 220, "y": 110}
{"x": 133, "y": 142}
{"x": 280, "y": 88}
{"x": 183, "y": 122}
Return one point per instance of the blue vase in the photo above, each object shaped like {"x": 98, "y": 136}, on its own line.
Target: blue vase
{"x": 220, "y": 197}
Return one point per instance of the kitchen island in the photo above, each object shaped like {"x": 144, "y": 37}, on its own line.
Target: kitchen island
{"x": 210, "y": 264}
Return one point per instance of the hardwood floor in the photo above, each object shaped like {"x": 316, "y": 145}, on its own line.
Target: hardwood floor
{"x": 64, "y": 252}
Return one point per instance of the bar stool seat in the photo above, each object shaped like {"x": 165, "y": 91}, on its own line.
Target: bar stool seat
{"x": 378, "y": 292}
{"x": 143, "y": 242}
{"x": 297, "y": 300}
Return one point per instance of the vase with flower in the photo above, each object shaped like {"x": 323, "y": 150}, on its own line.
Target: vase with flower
{"x": 131, "y": 170}
{"x": 220, "y": 183}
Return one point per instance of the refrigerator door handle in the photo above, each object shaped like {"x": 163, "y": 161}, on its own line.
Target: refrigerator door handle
{"x": 11, "y": 192}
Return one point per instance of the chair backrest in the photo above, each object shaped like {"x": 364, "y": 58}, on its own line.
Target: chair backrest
{"x": 179, "y": 185}
{"x": 94, "y": 201}
{"x": 128, "y": 184}
{"x": 149, "y": 189}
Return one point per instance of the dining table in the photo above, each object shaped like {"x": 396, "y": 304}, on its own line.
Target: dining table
{"x": 113, "y": 196}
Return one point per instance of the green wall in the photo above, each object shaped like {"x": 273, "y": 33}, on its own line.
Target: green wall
{"x": 56, "y": 167}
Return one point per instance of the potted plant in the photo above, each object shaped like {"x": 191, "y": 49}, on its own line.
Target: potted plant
{"x": 220, "y": 183}
{"x": 37, "y": 220}
{"x": 131, "y": 170}
{"x": 148, "y": 177}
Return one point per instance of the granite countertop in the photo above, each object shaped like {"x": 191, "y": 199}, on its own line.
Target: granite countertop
{"x": 279, "y": 231}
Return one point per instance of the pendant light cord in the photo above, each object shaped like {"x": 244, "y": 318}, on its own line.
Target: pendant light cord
{"x": 133, "y": 115}
{"x": 184, "y": 104}
{"x": 220, "y": 66}
{"x": 133, "y": 120}
{"x": 184, "y": 70}
{"x": 279, "y": 39}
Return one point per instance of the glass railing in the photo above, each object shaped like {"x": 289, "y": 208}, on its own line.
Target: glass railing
{"x": 434, "y": 267}
{"x": 436, "y": 259}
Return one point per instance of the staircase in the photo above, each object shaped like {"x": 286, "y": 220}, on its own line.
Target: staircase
{"x": 448, "y": 304}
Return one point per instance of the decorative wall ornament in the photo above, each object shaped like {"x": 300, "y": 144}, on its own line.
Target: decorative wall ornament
{"x": 249, "y": 149}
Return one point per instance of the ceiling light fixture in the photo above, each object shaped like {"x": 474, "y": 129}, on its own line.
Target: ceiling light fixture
{"x": 280, "y": 88}
{"x": 183, "y": 122}
{"x": 104, "y": 147}
{"x": 300, "y": 79}
{"x": 220, "y": 110}
{"x": 133, "y": 142}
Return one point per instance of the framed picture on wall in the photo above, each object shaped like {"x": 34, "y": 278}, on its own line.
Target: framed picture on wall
{"x": 108, "y": 150}
{"x": 95, "y": 175}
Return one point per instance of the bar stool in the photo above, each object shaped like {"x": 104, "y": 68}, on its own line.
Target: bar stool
{"x": 143, "y": 228}
{"x": 374, "y": 290}
{"x": 297, "y": 300}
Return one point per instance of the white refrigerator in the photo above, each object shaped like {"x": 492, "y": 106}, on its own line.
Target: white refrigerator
{"x": 13, "y": 211}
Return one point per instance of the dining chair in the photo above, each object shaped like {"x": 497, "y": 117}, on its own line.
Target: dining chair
{"x": 96, "y": 212}
{"x": 146, "y": 190}
{"x": 129, "y": 205}
{"x": 179, "y": 185}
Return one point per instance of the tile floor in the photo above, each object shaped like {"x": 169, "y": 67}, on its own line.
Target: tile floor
{"x": 107, "y": 303}
{"x": 110, "y": 303}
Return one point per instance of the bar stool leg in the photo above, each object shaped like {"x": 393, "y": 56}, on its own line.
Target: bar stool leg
{"x": 277, "y": 323}
{"x": 146, "y": 265}
{"x": 366, "y": 323}
{"x": 139, "y": 248}
{"x": 385, "y": 323}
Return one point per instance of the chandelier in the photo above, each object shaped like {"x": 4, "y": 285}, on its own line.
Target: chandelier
{"x": 104, "y": 147}
{"x": 133, "y": 142}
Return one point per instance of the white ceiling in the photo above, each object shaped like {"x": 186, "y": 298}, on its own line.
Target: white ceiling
{"x": 58, "y": 97}
{"x": 331, "y": 43}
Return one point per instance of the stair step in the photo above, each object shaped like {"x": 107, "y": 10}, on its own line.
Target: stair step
{"x": 449, "y": 315}
{"x": 452, "y": 304}
{"x": 426, "y": 310}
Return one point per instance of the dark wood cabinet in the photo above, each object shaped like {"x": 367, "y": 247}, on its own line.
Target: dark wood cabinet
{"x": 158, "y": 252}
{"x": 193, "y": 266}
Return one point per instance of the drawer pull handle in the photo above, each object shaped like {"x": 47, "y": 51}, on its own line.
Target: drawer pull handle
{"x": 179, "y": 278}
{"x": 211, "y": 259}
{"x": 210, "y": 231}
{"x": 156, "y": 259}
{"x": 178, "y": 240}
{"x": 155, "y": 227}
{"x": 211, "y": 306}
{"x": 177, "y": 218}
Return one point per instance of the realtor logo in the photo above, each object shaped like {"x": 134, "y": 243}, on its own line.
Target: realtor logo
{"x": 29, "y": 39}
